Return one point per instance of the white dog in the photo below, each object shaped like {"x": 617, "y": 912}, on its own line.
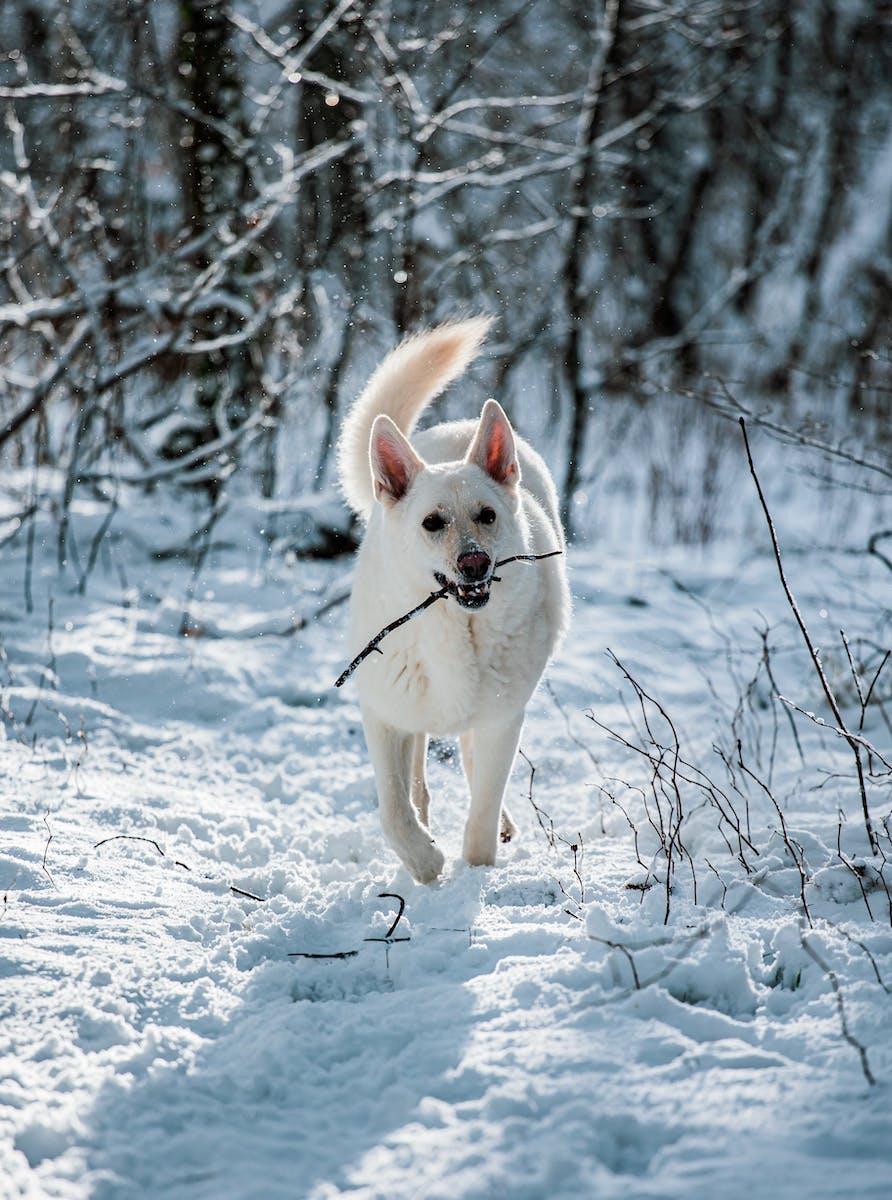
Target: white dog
{"x": 442, "y": 511}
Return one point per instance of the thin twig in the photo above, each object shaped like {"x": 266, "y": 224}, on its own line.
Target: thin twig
{"x": 43, "y": 865}
{"x": 548, "y": 829}
{"x": 130, "y": 837}
{"x": 813, "y": 654}
{"x": 249, "y": 895}
{"x": 546, "y": 824}
{"x": 206, "y": 533}
{"x": 795, "y": 853}
{"x": 721, "y": 881}
{"x": 850, "y": 866}
{"x": 337, "y": 954}
{"x": 873, "y": 962}
{"x": 769, "y": 671}
{"x": 623, "y": 950}
{"x": 135, "y": 837}
{"x": 549, "y": 688}
{"x": 873, "y": 684}
{"x": 388, "y": 937}
{"x": 402, "y": 909}
{"x": 372, "y": 647}
{"x": 837, "y": 991}
{"x": 841, "y": 731}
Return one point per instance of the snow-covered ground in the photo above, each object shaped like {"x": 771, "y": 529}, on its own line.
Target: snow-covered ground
{"x": 196, "y": 995}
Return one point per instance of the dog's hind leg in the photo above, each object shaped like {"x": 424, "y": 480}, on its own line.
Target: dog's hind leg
{"x": 491, "y": 759}
{"x": 421, "y": 797}
{"x": 507, "y": 828}
{"x": 392, "y": 753}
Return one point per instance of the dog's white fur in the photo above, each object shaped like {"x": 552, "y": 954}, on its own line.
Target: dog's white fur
{"x": 451, "y": 670}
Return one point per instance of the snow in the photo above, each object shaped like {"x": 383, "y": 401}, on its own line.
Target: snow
{"x": 538, "y": 1029}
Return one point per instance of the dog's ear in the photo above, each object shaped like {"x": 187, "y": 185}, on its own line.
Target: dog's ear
{"x": 493, "y": 446}
{"x": 394, "y": 463}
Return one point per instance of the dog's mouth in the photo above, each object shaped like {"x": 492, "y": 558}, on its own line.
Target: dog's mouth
{"x": 468, "y": 595}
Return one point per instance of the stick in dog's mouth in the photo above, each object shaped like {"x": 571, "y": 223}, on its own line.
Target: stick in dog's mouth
{"x": 445, "y": 589}
{"x": 468, "y": 595}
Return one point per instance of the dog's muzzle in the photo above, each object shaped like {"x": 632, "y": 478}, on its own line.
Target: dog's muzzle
{"x": 472, "y": 591}
{"x": 469, "y": 595}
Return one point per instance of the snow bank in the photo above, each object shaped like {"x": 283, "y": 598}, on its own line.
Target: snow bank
{"x": 198, "y": 998}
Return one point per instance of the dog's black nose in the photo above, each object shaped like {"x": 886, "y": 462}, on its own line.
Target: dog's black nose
{"x": 474, "y": 565}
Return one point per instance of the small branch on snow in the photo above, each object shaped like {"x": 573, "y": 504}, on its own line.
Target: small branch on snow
{"x": 873, "y": 962}
{"x": 837, "y": 991}
{"x": 546, "y": 824}
{"x": 671, "y": 775}
{"x": 241, "y": 892}
{"x": 130, "y": 837}
{"x": 683, "y": 943}
{"x": 336, "y": 954}
{"x": 372, "y": 646}
{"x": 724, "y": 885}
{"x": 623, "y": 950}
{"x": 399, "y": 915}
{"x": 856, "y": 870}
{"x": 388, "y": 938}
{"x": 135, "y": 837}
{"x": 794, "y": 850}
{"x": 864, "y": 697}
{"x": 541, "y": 815}
{"x": 769, "y": 671}
{"x": 43, "y": 865}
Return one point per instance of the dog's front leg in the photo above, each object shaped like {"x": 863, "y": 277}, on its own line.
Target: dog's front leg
{"x": 421, "y": 797}
{"x": 391, "y": 751}
{"x": 494, "y": 747}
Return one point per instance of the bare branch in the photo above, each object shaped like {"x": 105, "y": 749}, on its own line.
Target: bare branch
{"x": 813, "y": 654}
{"x": 854, "y": 739}
{"x": 50, "y": 836}
{"x": 837, "y": 991}
{"x": 734, "y": 409}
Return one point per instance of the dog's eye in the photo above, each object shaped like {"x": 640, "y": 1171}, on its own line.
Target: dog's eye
{"x": 487, "y": 516}
{"x": 433, "y": 523}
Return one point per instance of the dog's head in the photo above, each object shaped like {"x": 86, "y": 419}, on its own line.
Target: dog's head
{"x": 454, "y": 520}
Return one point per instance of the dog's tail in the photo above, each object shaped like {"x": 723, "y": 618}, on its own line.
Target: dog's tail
{"x": 402, "y": 387}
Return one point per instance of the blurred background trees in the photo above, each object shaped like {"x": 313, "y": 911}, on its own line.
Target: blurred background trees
{"x": 214, "y": 218}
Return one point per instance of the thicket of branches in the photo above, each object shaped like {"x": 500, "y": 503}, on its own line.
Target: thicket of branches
{"x": 214, "y": 216}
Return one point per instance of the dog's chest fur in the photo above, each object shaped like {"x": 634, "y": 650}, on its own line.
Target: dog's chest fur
{"x": 447, "y": 670}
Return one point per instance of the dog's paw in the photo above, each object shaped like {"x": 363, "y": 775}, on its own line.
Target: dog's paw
{"x": 480, "y": 858}
{"x": 426, "y": 864}
{"x": 508, "y": 829}
{"x": 479, "y": 850}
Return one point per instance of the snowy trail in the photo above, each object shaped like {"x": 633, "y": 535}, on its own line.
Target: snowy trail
{"x": 160, "y": 1036}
